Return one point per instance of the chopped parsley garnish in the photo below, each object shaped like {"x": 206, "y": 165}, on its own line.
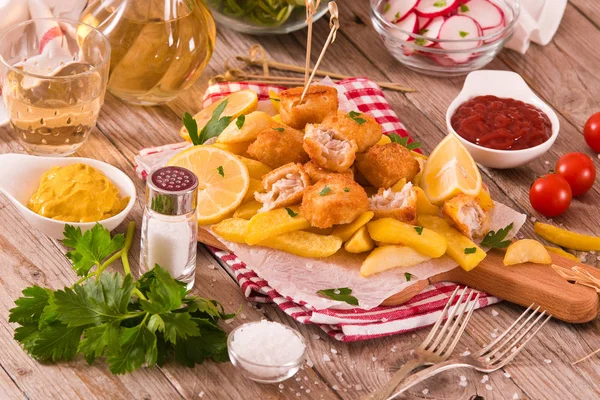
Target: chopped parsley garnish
{"x": 420, "y": 42}
{"x": 419, "y": 230}
{"x": 397, "y": 16}
{"x": 408, "y": 276}
{"x": 279, "y": 129}
{"x": 346, "y": 190}
{"x": 221, "y": 171}
{"x": 463, "y": 34}
{"x": 291, "y": 212}
{"x": 395, "y": 138}
{"x": 239, "y": 122}
{"x": 356, "y": 117}
{"x": 274, "y": 99}
{"x": 213, "y": 127}
{"x": 470, "y": 250}
{"x": 440, "y": 3}
{"x": 326, "y": 190}
{"x": 496, "y": 239}
{"x": 341, "y": 294}
{"x": 387, "y": 7}
{"x": 464, "y": 8}
{"x": 423, "y": 31}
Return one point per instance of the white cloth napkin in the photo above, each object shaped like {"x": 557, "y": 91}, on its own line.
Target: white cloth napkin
{"x": 15, "y": 11}
{"x": 538, "y": 23}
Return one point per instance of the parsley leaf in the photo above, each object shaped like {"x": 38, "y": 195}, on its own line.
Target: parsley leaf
{"x": 30, "y": 307}
{"x": 347, "y": 189}
{"x": 464, "y": 8}
{"x": 419, "y": 230}
{"x": 138, "y": 347}
{"x": 397, "y": 16}
{"x": 215, "y": 124}
{"x": 221, "y": 171}
{"x": 192, "y": 127}
{"x": 239, "y": 122}
{"x": 408, "y": 276}
{"x": 496, "y": 239}
{"x": 341, "y": 294}
{"x": 356, "y": 117}
{"x": 470, "y": 250}
{"x": 90, "y": 248}
{"x": 387, "y": 7}
{"x": 395, "y": 138}
{"x": 440, "y": 3}
{"x": 279, "y": 129}
{"x": 463, "y": 34}
{"x": 291, "y": 212}
{"x": 326, "y": 190}
{"x": 274, "y": 99}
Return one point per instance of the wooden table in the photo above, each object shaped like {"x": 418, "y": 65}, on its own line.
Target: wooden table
{"x": 564, "y": 73}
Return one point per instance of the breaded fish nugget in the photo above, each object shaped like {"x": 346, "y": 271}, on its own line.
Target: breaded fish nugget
{"x": 319, "y": 102}
{"x": 363, "y": 128}
{"x": 278, "y": 145}
{"x": 316, "y": 173}
{"x": 283, "y": 187}
{"x": 327, "y": 149}
{"x": 470, "y": 215}
{"x": 400, "y": 205}
{"x": 384, "y": 165}
{"x": 334, "y": 200}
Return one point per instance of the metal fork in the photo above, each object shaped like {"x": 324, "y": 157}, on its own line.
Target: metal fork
{"x": 439, "y": 344}
{"x": 492, "y": 357}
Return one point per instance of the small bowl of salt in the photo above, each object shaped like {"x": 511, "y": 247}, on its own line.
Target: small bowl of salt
{"x": 265, "y": 351}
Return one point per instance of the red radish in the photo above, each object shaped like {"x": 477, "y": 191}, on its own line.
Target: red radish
{"x": 463, "y": 29}
{"x": 487, "y": 14}
{"x": 423, "y": 22}
{"x": 491, "y": 31}
{"x": 431, "y": 30}
{"x": 408, "y": 24}
{"x": 436, "y": 8}
{"x": 397, "y": 10}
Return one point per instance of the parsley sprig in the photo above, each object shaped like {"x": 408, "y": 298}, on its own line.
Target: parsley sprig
{"x": 395, "y": 138}
{"x": 356, "y": 117}
{"x": 496, "y": 239}
{"x": 341, "y": 294}
{"x": 213, "y": 128}
{"x": 128, "y": 323}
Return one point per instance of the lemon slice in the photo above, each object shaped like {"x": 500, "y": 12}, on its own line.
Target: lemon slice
{"x": 449, "y": 171}
{"x": 223, "y": 181}
{"x": 238, "y": 103}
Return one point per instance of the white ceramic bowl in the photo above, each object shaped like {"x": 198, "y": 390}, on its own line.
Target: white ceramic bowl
{"x": 20, "y": 178}
{"x": 505, "y": 84}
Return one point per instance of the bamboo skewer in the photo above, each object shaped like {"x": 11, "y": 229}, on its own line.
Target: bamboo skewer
{"x": 311, "y": 9}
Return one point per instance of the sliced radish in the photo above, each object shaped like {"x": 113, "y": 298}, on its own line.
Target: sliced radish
{"x": 462, "y": 29}
{"x": 491, "y": 31}
{"x": 408, "y": 24}
{"x": 397, "y": 10}
{"x": 431, "y": 30}
{"x": 487, "y": 14}
{"x": 423, "y": 22}
{"x": 436, "y": 8}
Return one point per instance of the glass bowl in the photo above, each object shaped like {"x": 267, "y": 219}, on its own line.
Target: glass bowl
{"x": 432, "y": 59}
{"x": 260, "y": 372}
{"x": 243, "y": 24}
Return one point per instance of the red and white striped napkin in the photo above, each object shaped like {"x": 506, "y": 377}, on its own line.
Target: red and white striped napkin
{"x": 346, "y": 325}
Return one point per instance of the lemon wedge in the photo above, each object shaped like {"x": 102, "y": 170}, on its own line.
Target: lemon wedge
{"x": 449, "y": 171}
{"x": 238, "y": 103}
{"x": 526, "y": 250}
{"x": 223, "y": 181}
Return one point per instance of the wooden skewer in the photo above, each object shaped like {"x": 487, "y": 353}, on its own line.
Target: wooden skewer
{"x": 311, "y": 9}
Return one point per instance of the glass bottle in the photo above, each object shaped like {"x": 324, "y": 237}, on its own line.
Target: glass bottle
{"x": 159, "y": 47}
{"x": 170, "y": 224}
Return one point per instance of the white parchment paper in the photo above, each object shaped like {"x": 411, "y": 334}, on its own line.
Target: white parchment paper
{"x": 300, "y": 278}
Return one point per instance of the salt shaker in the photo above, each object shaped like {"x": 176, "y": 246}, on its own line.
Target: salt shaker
{"x": 170, "y": 225}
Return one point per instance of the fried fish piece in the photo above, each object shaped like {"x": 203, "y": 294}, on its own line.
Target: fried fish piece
{"x": 384, "y": 165}
{"x": 327, "y": 149}
{"x": 283, "y": 187}
{"x": 319, "y": 102}
{"x": 316, "y": 173}
{"x": 361, "y": 127}
{"x": 335, "y": 200}
{"x": 400, "y": 205}
{"x": 278, "y": 145}
{"x": 470, "y": 215}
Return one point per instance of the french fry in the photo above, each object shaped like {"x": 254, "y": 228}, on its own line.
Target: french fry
{"x": 305, "y": 244}
{"x": 252, "y": 125}
{"x": 397, "y": 187}
{"x": 562, "y": 253}
{"x": 424, "y": 206}
{"x": 232, "y": 229}
{"x": 526, "y": 250}
{"x": 389, "y": 230}
{"x": 319, "y": 231}
{"x": 235, "y": 148}
{"x": 277, "y": 118}
{"x": 460, "y": 248}
{"x": 272, "y": 223}
{"x": 247, "y": 210}
{"x": 255, "y": 186}
{"x": 346, "y": 231}
{"x": 567, "y": 239}
{"x": 256, "y": 169}
{"x": 391, "y": 256}
{"x": 360, "y": 242}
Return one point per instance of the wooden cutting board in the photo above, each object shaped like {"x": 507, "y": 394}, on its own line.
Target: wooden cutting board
{"x": 522, "y": 284}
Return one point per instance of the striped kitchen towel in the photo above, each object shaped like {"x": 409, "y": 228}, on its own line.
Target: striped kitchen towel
{"x": 346, "y": 325}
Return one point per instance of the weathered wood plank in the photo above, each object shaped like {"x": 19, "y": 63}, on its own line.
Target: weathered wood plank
{"x": 8, "y": 388}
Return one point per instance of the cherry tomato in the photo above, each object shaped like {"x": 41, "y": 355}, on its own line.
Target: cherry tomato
{"x": 579, "y": 170}
{"x": 550, "y": 195}
{"x": 591, "y": 132}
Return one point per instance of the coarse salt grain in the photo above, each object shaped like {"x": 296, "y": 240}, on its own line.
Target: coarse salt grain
{"x": 279, "y": 346}
{"x": 394, "y": 348}
{"x": 373, "y": 358}
{"x": 548, "y": 361}
{"x": 506, "y": 374}
{"x": 547, "y": 162}
{"x": 425, "y": 392}
{"x": 533, "y": 219}
{"x": 485, "y": 379}
{"x": 307, "y": 391}
{"x": 516, "y": 396}
{"x": 333, "y": 351}
{"x": 335, "y": 387}
{"x": 339, "y": 374}
{"x": 326, "y": 358}
{"x": 495, "y": 313}
{"x": 463, "y": 378}
{"x": 309, "y": 363}
{"x": 281, "y": 386}
{"x": 488, "y": 387}
{"x": 465, "y": 353}
{"x": 463, "y": 383}
{"x": 316, "y": 337}
{"x": 493, "y": 334}
{"x": 243, "y": 316}
{"x": 211, "y": 266}
{"x": 298, "y": 379}
{"x": 201, "y": 394}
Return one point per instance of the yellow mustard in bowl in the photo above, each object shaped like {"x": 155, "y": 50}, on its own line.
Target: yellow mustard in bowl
{"x": 76, "y": 193}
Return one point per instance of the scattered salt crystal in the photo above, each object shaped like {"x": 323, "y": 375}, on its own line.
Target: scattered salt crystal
{"x": 463, "y": 383}
{"x": 326, "y": 358}
{"x": 211, "y": 266}
{"x": 201, "y": 394}
{"x": 513, "y": 349}
{"x": 506, "y": 374}
{"x": 373, "y": 358}
{"x": 337, "y": 291}
{"x": 582, "y": 257}
{"x": 547, "y": 162}
{"x": 592, "y": 252}
{"x": 414, "y": 335}
{"x": 316, "y": 337}
{"x": 316, "y": 382}
{"x": 214, "y": 279}
{"x": 228, "y": 321}
{"x": 411, "y": 352}
{"x": 598, "y": 258}
{"x": 496, "y": 330}
{"x": 463, "y": 378}
{"x": 495, "y": 313}
{"x": 333, "y": 351}
{"x": 335, "y": 387}
{"x": 301, "y": 387}
{"x": 358, "y": 387}
{"x": 307, "y": 391}
{"x": 339, "y": 374}
{"x": 488, "y": 387}
{"x": 298, "y": 379}
{"x": 493, "y": 334}
{"x": 280, "y": 345}
{"x": 465, "y": 353}
{"x": 548, "y": 361}
{"x": 306, "y": 378}
{"x": 394, "y": 348}
{"x": 281, "y": 386}
{"x": 297, "y": 394}
{"x": 425, "y": 391}
{"x": 533, "y": 219}
{"x": 516, "y": 395}
{"x": 243, "y": 316}
{"x": 310, "y": 363}
{"x": 485, "y": 379}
